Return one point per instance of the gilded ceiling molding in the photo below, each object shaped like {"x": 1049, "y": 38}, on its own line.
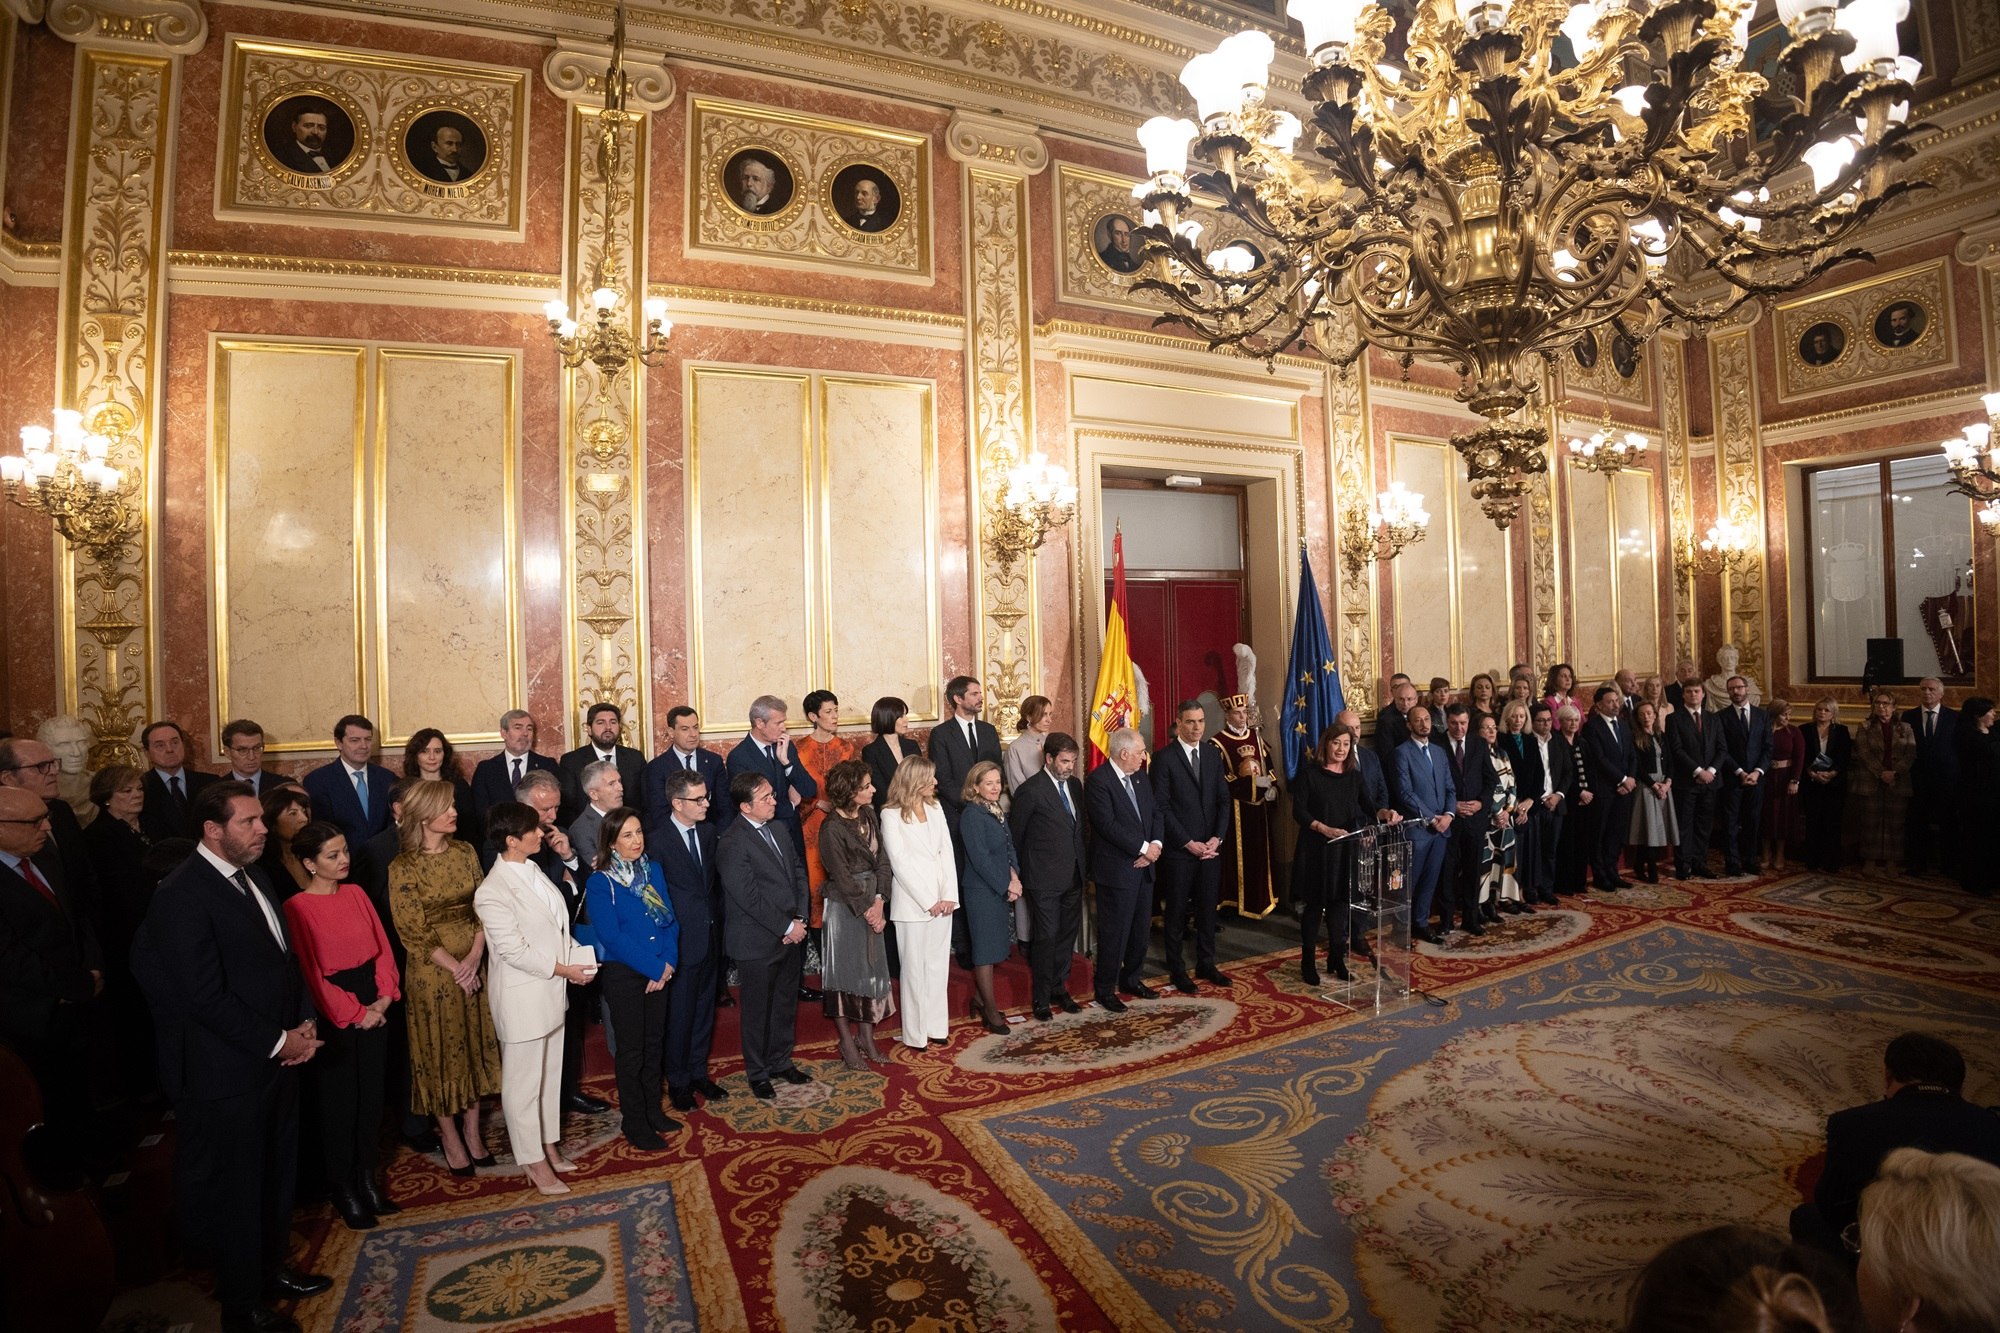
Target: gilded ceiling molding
{"x": 1740, "y": 485}
{"x": 606, "y": 652}
{"x": 222, "y": 261}
{"x": 110, "y": 327}
{"x": 1351, "y": 474}
{"x": 998, "y": 158}
{"x": 1680, "y": 491}
{"x": 575, "y": 72}
{"x": 809, "y": 305}
{"x": 175, "y": 26}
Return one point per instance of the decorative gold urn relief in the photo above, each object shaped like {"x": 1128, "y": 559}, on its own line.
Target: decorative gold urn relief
{"x": 1680, "y": 498}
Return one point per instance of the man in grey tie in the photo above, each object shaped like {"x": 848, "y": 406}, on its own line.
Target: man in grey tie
{"x": 1127, "y": 835}
{"x": 494, "y": 779}
{"x": 764, "y": 929}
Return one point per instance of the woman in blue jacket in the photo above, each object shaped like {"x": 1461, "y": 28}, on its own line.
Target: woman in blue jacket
{"x": 640, "y": 943}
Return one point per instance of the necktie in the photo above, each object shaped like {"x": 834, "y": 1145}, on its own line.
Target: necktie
{"x": 772, "y": 751}
{"x": 1744, "y": 713}
{"x": 692, "y": 767}
{"x": 1458, "y": 753}
{"x": 1697, "y": 724}
{"x": 694, "y": 848}
{"x": 1930, "y": 723}
{"x": 1062, "y": 790}
{"x": 1132, "y": 795}
{"x": 360, "y": 793}
{"x": 516, "y": 779}
{"x": 37, "y": 883}
{"x": 241, "y": 880}
{"x": 773, "y": 842}
{"x": 174, "y": 785}
{"x": 971, "y": 740}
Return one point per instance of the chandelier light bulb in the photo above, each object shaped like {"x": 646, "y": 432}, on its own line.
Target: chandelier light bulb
{"x": 1284, "y": 132}
{"x": 1991, "y": 402}
{"x": 656, "y": 310}
{"x": 556, "y": 311}
{"x": 34, "y": 439}
{"x": 1806, "y": 18}
{"x": 1979, "y": 436}
{"x": 1577, "y": 28}
{"x": 1482, "y": 16}
{"x": 1246, "y": 58}
{"x": 566, "y": 327}
{"x": 1872, "y": 25}
{"x": 1329, "y": 24}
{"x": 1208, "y": 81}
{"x": 1632, "y": 97}
{"x": 1828, "y": 159}
{"x": 1166, "y": 139}
{"x": 605, "y": 299}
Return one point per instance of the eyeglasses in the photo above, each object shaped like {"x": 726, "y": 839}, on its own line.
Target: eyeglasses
{"x": 1850, "y": 1236}
{"x": 45, "y": 767}
{"x": 695, "y": 800}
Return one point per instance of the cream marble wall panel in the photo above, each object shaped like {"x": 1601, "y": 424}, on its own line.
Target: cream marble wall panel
{"x": 1423, "y": 573}
{"x": 286, "y": 486}
{"x": 1483, "y": 608}
{"x": 750, "y": 522}
{"x": 1638, "y": 575}
{"x": 878, "y": 482}
{"x": 1134, "y": 403}
{"x": 1594, "y": 634}
{"x": 448, "y": 628}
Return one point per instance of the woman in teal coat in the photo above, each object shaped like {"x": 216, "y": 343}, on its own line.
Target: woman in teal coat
{"x": 990, "y": 884}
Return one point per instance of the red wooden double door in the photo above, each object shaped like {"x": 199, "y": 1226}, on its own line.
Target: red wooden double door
{"x": 1183, "y": 634}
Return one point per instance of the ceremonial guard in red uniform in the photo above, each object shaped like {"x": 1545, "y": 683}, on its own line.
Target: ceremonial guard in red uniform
{"x": 1253, "y": 787}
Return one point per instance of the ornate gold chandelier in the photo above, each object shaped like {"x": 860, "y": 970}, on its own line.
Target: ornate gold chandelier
{"x": 1974, "y": 460}
{"x": 63, "y": 473}
{"x": 1482, "y": 183}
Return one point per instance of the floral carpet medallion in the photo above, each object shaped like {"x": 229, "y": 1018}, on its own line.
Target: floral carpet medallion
{"x": 1904, "y": 901}
{"x": 1515, "y": 936}
{"x": 835, "y": 1096}
{"x": 861, "y": 1250}
{"x": 525, "y": 1280}
{"x": 1866, "y": 942}
{"x": 1656, "y": 897}
{"x": 1098, "y": 1039}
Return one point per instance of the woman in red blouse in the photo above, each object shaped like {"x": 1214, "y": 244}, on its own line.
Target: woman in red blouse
{"x": 351, "y": 974}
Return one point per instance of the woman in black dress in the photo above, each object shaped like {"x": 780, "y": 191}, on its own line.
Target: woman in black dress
{"x": 890, "y": 721}
{"x": 1978, "y": 791}
{"x": 429, "y": 755}
{"x": 1823, "y": 785}
{"x": 1326, "y": 801}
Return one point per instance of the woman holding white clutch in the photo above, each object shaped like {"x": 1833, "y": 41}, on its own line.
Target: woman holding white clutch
{"x": 532, "y": 956}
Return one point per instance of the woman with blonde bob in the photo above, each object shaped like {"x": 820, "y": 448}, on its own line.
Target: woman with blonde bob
{"x": 1929, "y": 1241}
{"x": 923, "y": 897}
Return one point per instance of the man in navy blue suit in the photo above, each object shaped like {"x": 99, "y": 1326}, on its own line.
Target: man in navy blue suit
{"x": 1126, "y": 837}
{"x": 683, "y": 754}
{"x": 352, "y": 793}
{"x": 767, "y": 752}
{"x": 1611, "y": 765}
{"x": 1746, "y": 736}
{"x": 495, "y": 777}
{"x": 1930, "y": 838}
{"x": 1425, "y": 794}
{"x": 1193, "y": 790}
{"x": 683, "y": 846}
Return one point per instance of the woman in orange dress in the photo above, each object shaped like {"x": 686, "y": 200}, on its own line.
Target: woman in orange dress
{"x": 819, "y": 752}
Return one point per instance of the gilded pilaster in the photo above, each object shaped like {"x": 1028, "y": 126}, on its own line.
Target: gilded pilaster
{"x": 110, "y": 327}
{"x": 1545, "y": 600}
{"x": 1680, "y": 498}
{"x": 1739, "y": 478}
{"x": 998, "y": 159}
{"x": 1353, "y": 482}
{"x": 605, "y": 652}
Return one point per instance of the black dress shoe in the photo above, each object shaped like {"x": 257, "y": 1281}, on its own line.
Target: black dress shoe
{"x": 644, "y": 1138}
{"x": 582, "y": 1103}
{"x": 1067, "y": 1003}
{"x": 762, "y": 1089}
{"x": 1473, "y": 927}
{"x": 1308, "y": 973}
{"x": 1423, "y": 933}
{"x": 352, "y": 1208}
{"x": 289, "y": 1284}
{"x": 1112, "y": 1004}
{"x": 710, "y": 1089}
{"x": 1141, "y": 991}
{"x": 376, "y": 1197}
{"x": 258, "y": 1319}
{"x": 810, "y": 994}
{"x": 462, "y": 1172}
{"x": 1185, "y": 984}
{"x": 1043, "y": 1013}
{"x": 796, "y": 1077}
{"x": 682, "y": 1099}
{"x": 660, "y": 1122}
{"x": 1214, "y": 977}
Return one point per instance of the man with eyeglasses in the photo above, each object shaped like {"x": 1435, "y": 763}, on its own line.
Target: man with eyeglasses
{"x": 51, "y": 969}
{"x": 243, "y": 746}
{"x": 683, "y": 846}
{"x": 36, "y": 769}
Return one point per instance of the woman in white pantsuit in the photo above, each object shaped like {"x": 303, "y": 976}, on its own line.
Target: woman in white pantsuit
{"x": 529, "y": 946}
{"x": 924, "y": 896}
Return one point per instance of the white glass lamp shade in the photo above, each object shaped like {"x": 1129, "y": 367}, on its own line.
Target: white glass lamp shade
{"x": 1872, "y": 25}
{"x": 1208, "y": 81}
{"x": 1247, "y": 57}
{"x": 1327, "y": 22}
{"x": 1165, "y": 139}
{"x": 1805, "y": 16}
{"x": 604, "y": 298}
{"x": 656, "y": 310}
{"x": 556, "y": 311}
{"x": 1991, "y": 402}
{"x": 1828, "y": 160}
{"x": 12, "y": 468}
{"x": 1978, "y": 436}
{"x": 35, "y": 439}
{"x": 1577, "y": 28}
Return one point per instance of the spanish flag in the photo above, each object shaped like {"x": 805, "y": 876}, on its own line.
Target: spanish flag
{"x": 1116, "y": 697}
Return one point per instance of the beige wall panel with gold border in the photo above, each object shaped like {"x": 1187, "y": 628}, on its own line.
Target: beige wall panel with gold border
{"x": 1132, "y": 402}
{"x": 1483, "y": 601}
{"x": 1455, "y": 591}
{"x": 1638, "y": 572}
{"x": 878, "y": 573}
{"x": 285, "y": 535}
{"x": 750, "y": 522}
{"x": 448, "y": 636}
{"x": 1594, "y": 644}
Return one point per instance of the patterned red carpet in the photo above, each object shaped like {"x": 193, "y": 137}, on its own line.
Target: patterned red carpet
{"x": 1601, "y": 1078}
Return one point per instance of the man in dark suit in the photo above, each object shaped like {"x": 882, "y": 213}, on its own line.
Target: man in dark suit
{"x": 1684, "y": 671}
{"x": 447, "y": 158}
{"x": 1746, "y": 738}
{"x": 541, "y": 789}
{"x": 170, "y": 785}
{"x": 1126, "y": 833}
{"x": 1376, "y": 799}
{"x": 1192, "y": 787}
{"x": 683, "y": 753}
{"x": 764, "y": 929}
{"x": 1392, "y": 727}
{"x": 1550, "y": 768}
{"x": 602, "y": 724}
{"x": 958, "y": 742}
{"x": 767, "y": 752}
{"x": 1425, "y": 794}
{"x": 303, "y": 148}
{"x": 495, "y": 777}
{"x": 243, "y": 746}
{"x": 352, "y": 793}
{"x": 234, "y": 1022}
{"x": 1930, "y": 837}
{"x": 1611, "y": 763}
{"x": 684, "y": 847}
{"x": 1050, "y": 840}
{"x": 1921, "y": 1107}
{"x": 34, "y": 768}
{"x": 51, "y": 968}
{"x": 1473, "y": 779}
{"x": 1696, "y": 743}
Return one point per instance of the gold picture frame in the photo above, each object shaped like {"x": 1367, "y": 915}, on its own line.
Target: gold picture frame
{"x": 1870, "y": 349}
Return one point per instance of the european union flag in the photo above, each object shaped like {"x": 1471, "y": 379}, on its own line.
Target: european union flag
{"x": 1312, "y": 681}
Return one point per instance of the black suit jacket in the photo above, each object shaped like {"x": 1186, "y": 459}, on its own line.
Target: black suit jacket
{"x": 1607, "y": 761}
{"x": 631, "y": 771}
{"x": 883, "y": 762}
{"x": 492, "y": 783}
{"x": 1375, "y": 793}
{"x": 333, "y": 800}
{"x": 1858, "y": 1138}
{"x": 223, "y": 989}
{"x": 1937, "y": 756}
{"x": 659, "y": 809}
{"x": 762, "y": 892}
{"x": 749, "y": 757}
{"x": 1692, "y": 749}
{"x": 1748, "y": 749}
{"x": 1194, "y": 798}
{"x": 953, "y": 761}
{"x": 47, "y": 951}
{"x": 696, "y": 890}
{"x": 293, "y": 158}
{"x": 1391, "y": 730}
{"x": 266, "y": 779}
{"x": 1051, "y": 845}
{"x": 1475, "y": 778}
{"x": 1566, "y": 773}
{"x": 1839, "y": 747}
{"x": 1117, "y": 834}
{"x": 370, "y": 869}
{"x": 157, "y": 817}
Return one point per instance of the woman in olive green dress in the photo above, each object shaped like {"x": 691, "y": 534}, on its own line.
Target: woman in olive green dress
{"x": 454, "y": 1056}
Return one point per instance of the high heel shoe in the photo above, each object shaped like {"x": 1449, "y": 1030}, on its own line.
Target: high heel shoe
{"x": 486, "y": 1161}
{"x": 462, "y": 1172}
{"x": 995, "y": 1021}
{"x": 1307, "y": 972}
{"x": 1364, "y": 953}
{"x": 1339, "y": 967}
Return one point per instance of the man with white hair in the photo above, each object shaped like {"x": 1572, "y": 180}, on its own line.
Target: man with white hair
{"x": 1127, "y": 839}
{"x": 603, "y": 792}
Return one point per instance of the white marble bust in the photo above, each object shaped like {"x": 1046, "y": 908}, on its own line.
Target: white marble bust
{"x": 70, "y": 739}
{"x": 1726, "y": 661}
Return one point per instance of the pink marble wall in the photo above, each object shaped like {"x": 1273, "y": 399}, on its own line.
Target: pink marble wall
{"x": 195, "y": 226}
{"x": 38, "y": 132}
{"x": 1700, "y": 391}
{"x": 1064, "y": 636}
{"x": 28, "y": 679}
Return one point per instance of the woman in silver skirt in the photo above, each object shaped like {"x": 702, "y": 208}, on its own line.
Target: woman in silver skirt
{"x": 855, "y": 980}
{"x": 1654, "y": 829}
